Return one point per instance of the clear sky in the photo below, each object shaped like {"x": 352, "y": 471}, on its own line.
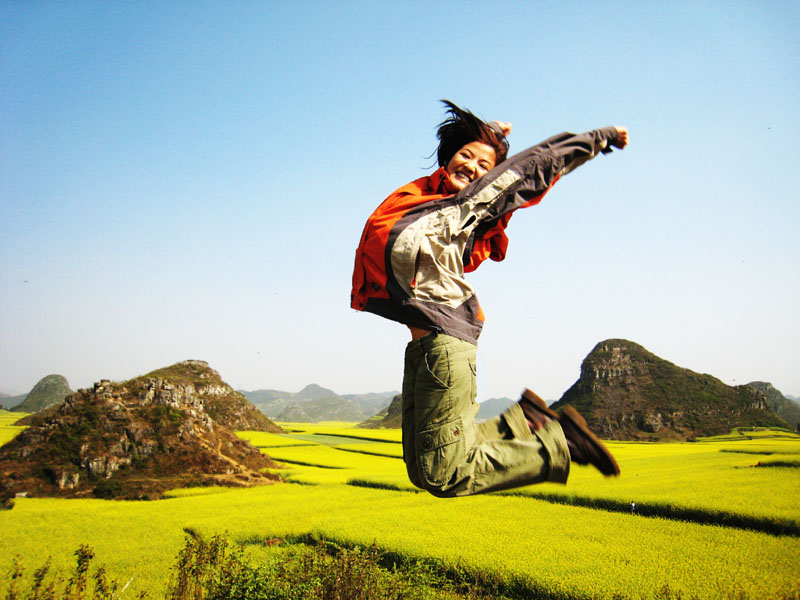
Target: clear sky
{"x": 189, "y": 180}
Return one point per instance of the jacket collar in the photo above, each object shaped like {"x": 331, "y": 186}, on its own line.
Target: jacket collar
{"x": 437, "y": 180}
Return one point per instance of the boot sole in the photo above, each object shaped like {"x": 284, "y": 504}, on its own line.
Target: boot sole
{"x": 611, "y": 468}
{"x": 538, "y": 403}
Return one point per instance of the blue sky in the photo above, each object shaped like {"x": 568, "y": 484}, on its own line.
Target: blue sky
{"x": 189, "y": 180}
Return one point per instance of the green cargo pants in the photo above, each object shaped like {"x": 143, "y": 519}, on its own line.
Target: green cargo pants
{"x": 445, "y": 452}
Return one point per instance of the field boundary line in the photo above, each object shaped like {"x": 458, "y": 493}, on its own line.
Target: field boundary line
{"x": 381, "y": 454}
{"x": 307, "y": 464}
{"x": 680, "y": 513}
{"x": 287, "y": 446}
{"x": 357, "y": 437}
{"x": 376, "y": 485}
{"x": 778, "y": 527}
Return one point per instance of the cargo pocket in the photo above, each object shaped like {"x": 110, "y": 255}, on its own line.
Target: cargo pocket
{"x": 473, "y": 387}
{"x": 441, "y": 449}
{"x": 438, "y": 367}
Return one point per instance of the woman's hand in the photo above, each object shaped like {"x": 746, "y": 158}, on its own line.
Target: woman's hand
{"x": 622, "y": 137}
{"x": 505, "y": 127}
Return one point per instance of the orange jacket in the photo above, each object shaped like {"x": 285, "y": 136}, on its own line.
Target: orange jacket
{"x": 419, "y": 243}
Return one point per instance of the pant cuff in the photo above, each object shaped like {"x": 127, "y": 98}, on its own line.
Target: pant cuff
{"x": 555, "y": 444}
{"x": 551, "y": 437}
{"x": 517, "y": 422}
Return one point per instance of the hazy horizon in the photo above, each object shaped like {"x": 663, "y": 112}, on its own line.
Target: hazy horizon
{"x": 336, "y": 391}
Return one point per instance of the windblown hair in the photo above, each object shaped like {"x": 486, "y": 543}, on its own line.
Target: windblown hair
{"x": 461, "y": 128}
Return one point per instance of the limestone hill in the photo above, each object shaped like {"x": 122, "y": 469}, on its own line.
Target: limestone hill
{"x": 49, "y": 391}
{"x": 627, "y": 393}
{"x": 390, "y": 417}
{"x": 170, "y": 428}
{"x": 786, "y": 408}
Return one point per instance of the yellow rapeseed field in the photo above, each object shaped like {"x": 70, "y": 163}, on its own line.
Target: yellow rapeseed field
{"x": 8, "y": 430}
{"x": 574, "y": 551}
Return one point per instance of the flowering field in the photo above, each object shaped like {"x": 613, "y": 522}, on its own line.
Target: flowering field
{"x": 7, "y": 428}
{"x": 713, "y": 480}
{"x": 575, "y": 541}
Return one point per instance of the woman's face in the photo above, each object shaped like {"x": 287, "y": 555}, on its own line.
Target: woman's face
{"x": 472, "y": 161}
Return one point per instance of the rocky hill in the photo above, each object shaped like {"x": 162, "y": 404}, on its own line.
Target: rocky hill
{"x": 226, "y": 406}
{"x": 315, "y": 403}
{"x": 627, "y": 393}
{"x": 786, "y": 408}
{"x": 390, "y": 417}
{"x": 49, "y": 390}
{"x": 170, "y": 428}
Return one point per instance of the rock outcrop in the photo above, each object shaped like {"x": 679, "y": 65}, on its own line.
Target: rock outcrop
{"x": 786, "y": 408}
{"x": 627, "y": 393}
{"x": 224, "y": 405}
{"x": 170, "y": 428}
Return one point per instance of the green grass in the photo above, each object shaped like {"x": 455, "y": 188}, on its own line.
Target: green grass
{"x": 539, "y": 548}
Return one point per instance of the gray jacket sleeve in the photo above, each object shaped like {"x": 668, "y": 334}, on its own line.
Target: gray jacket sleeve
{"x": 576, "y": 149}
{"x": 530, "y": 173}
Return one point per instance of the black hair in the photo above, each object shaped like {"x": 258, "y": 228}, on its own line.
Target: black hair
{"x": 460, "y": 128}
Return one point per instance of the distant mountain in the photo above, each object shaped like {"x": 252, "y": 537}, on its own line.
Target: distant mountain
{"x": 315, "y": 403}
{"x": 493, "y": 407}
{"x": 391, "y": 417}
{"x": 787, "y": 409}
{"x": 9, "y": 400}
{"x": 332, "y": 408}
{"x": 314, "y": 392}
{"x": 134, "y": 439}
{"x": 50, "y": 390}
{"x": 626, "y": 392}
